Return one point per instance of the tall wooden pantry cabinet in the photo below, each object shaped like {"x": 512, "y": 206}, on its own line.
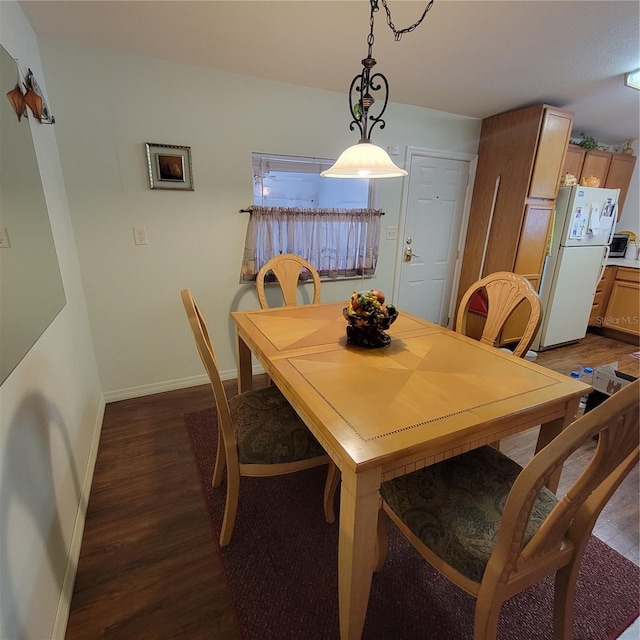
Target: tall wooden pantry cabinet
{"x": 520, "y": 161}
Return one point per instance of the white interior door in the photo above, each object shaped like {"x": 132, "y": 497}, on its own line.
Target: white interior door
{"x": 430, "y": 235}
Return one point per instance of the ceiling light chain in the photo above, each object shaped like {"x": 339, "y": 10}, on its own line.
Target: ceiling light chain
{"x": 398, "y": 32}
{"x": 365, "y": 83}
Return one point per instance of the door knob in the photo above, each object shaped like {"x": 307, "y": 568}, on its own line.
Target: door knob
{"x": 408, "y": 254}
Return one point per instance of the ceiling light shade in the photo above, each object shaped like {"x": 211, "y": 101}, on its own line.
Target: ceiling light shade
{"x": 632, "y": 79}
{"x": 364, "y": 160}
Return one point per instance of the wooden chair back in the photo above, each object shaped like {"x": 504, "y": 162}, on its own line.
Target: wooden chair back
{"x": 504, "y": 291}
{"x": 559, "y": 543}
{"x": 615, "y": 423}
{"x": 286, "y": 268}
{"x": 207, "y": 355}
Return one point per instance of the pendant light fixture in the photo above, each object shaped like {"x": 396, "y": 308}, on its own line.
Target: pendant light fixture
{"x": 632, "y": 79}
{"x": 365, "y": 159}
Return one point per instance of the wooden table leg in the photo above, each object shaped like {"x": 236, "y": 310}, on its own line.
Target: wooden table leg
{"x": 359, "y": 500}
{"x": 550, "y": 430}
{"x": 245, "y": 371}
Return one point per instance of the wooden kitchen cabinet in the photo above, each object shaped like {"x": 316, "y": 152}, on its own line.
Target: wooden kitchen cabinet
{"x": 614, "y": 169}
{"x": 574, "y": 161}
{"x": 521, "y": 157}
{"x": 619, "y": 176}
{"x": 623, "y": 309}
{"x": 596, "y": 163}
{"x": 601, "y": 299}
{"x": 533, "y": 242}
{"x": 529, "y": 263}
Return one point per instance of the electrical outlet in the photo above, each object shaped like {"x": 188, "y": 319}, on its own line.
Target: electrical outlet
{"x": 140, "y": 235}
{"x": 392, "y": 233}
{"x": 4, "y": 238}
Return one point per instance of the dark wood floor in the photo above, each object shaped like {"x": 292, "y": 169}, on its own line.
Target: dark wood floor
{"x": 149, "y": 565}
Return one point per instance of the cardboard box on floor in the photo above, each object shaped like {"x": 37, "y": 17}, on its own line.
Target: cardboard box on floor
{"x": 608, "y": 380}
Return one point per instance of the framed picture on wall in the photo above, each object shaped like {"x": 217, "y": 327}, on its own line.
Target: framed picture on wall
{"x": 169, "y": 166}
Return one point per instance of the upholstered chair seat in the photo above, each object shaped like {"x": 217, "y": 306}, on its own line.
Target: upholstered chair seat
{"x": 455, "y": 507}
{"x": 269, "y": 431}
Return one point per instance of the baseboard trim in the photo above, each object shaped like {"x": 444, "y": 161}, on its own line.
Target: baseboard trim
{"x": 73, "y": 556}
{"x": 171, "y": 385}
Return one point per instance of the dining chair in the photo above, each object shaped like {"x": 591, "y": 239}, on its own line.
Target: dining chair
{"x": 259, "y": 432}
{"x": 493, "y": 528}
{"x": 502, "y": 292}
{"x": 286, "y": 269}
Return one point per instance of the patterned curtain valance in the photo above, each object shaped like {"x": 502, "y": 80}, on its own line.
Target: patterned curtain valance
{"x": 340, "y": 243}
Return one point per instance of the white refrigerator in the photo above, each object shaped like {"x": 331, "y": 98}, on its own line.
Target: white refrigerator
{"x": 583, "y": 228}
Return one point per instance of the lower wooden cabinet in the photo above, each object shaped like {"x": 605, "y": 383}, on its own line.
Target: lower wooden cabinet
{"x": 601, "y": 298}
{"x": 623, "y": 308}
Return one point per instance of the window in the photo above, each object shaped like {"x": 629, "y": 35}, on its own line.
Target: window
{"x": 327, "y": 222}
{"x": 290, "y": 181}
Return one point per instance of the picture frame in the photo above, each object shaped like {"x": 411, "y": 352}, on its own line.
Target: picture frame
{"x": 169, "y": 166}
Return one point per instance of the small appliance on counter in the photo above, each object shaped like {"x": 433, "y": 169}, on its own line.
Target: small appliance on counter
{"x": 633, "y": 251}
{"x": 618, "y": 246}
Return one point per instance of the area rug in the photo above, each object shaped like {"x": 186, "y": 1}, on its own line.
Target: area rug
{"x": 281, "y": 567}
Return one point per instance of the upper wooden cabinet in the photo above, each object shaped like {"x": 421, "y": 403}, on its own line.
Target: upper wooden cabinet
{"x": 521, "y": 157}
{"x": 550, "y": 153}
{"x": 619, "y": 176}
{"x": 574, "y": 161}
{"x": 613, "y": 169}
{"x": 596, "y": 163}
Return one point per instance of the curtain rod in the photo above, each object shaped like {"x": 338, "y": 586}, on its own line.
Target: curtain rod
{"x": 250, "y": 210}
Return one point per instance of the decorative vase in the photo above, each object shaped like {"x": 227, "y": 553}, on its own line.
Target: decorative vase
{"x": 590, "y": 181}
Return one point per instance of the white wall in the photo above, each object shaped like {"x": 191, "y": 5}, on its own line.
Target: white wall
{"x": 107, "y": 105}
{"x": 630, "y": 218}
{"x": 50, "y": 412}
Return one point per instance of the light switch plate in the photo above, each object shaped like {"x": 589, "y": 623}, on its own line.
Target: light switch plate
{"x": 140, "y": 235}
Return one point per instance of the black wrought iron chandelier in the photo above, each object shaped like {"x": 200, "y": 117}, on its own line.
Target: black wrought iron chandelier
{"x": 365, "y": 159}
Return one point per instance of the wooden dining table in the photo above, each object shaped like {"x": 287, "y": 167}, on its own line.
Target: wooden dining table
{"x": 429, "y": 395}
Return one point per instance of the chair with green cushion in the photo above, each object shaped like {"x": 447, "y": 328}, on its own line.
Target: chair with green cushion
{"x": 493, "y": 528}
{"x": 259, "y": 433}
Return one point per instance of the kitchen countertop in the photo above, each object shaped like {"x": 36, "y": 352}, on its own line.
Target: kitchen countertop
{"x": 623, "y": 262}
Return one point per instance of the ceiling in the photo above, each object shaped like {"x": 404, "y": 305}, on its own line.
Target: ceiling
{"x": 474, "y": 58}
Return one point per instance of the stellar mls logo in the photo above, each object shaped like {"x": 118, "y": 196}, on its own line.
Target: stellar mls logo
{"x": 621, "y": 320}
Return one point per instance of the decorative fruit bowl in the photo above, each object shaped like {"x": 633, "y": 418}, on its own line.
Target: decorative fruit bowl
{"x": 368, "y": 316}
